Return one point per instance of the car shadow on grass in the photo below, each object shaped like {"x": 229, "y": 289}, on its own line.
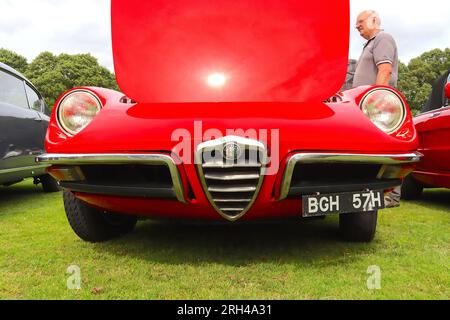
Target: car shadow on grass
{"x": 435, "y": 198}
{"x": 23, "y": 191}
{"x": 308, "y": 242}
{"x": 237, "y": 244}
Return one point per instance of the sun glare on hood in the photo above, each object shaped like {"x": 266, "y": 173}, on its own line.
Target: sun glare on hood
{"x": 217, "y": 80}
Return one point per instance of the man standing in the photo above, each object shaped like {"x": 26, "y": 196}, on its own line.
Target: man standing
{"x": 378, "y": 64}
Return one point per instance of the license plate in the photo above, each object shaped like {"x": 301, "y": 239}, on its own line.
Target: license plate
{"x": 326, "y": 204}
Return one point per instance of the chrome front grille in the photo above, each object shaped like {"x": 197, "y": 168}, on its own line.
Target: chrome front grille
{"x": 231, "y": 170}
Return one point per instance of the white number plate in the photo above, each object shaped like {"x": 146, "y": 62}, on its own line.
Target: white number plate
{"x": 338, "y": 203}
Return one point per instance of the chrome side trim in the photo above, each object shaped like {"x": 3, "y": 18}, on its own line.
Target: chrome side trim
{"x": 13, "y": 170}
{"x": 383, "y": 159}
{"x": 144, "y": 159}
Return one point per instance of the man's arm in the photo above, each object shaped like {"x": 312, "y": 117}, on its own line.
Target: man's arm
{"x": 384, "y": 74}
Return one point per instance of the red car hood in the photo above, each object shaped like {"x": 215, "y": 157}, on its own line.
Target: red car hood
{"x": 230, "y": 51}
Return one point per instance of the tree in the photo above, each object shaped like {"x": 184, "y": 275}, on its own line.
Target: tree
{"x": 416, "y": 78}
{"x": 53, "y": 75}
{"x": 430, "y": 65}
{"x": 13, "y": 60}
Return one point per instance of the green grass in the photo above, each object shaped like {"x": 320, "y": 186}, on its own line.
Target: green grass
{"x": 304, "y": 260}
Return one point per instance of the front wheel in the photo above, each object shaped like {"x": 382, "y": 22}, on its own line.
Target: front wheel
{"x": 411, "y": 189}
{"x": 94, "y": 225}
{"x": 358, "y": 227}
{"x": 49, "y": 184}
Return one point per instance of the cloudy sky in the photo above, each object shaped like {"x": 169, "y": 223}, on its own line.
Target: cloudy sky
{"x": 78, "y": 26}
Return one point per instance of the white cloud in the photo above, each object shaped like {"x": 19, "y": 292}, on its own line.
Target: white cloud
{"x": 78, "y": 26}
{"x": 59, "y": 26}
{"x": 417, "y": 25}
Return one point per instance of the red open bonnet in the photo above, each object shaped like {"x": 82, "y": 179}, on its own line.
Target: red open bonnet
{"x": 230, "y": 50}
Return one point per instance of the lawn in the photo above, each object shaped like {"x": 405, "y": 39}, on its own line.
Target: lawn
{"x": 293, "y": 260}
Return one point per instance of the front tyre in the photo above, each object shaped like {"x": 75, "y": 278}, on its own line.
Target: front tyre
{"x": 411, "y": 189}
{"x": 93, "y": 225}
{"x": 358, "y": 227}
{"x": 49, "y": 184}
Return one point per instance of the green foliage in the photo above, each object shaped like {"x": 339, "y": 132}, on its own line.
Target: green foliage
{"x": 53, "y": 75}
{"x": 13, "y": 60}
{"x": 416, "y": 78}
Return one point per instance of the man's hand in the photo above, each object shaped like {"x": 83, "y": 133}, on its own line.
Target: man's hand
{"x": 384, "y": 74}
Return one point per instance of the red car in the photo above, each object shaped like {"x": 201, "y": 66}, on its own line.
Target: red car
{"x": 228, "y": 116}
{"x": 433, "y": 127}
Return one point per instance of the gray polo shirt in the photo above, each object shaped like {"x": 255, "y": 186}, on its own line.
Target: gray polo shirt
{"x": 380, "y": 49}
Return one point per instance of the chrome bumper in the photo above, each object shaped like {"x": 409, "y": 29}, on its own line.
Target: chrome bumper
{"x": 117, "y": 159}
{"x": 160, "y": 159}
{"x": 382, "y": 159}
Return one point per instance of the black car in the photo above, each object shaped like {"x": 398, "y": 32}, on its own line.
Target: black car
{"x": 348, "y": 84}
{"x": 24, "y": 119}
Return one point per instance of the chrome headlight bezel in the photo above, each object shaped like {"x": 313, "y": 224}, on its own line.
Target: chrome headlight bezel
{"x": 60, "y": 109}
{"x": 401, "y": 104}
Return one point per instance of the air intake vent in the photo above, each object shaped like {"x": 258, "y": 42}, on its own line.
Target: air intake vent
{"x": 127, "y": 100}
{"x": 231, "y": 170}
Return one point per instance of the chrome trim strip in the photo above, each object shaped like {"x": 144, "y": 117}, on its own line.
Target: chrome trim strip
{"x": 383, "y": 159}
{"x": 237, "y": 200}
{"x": 231, "y": 189}
{"x": 144, "y": 159}
{"x": 226, "y": 166}
{"x": 222, "y": 141}
{"x": 13, "y": 170}
{"x": 232, "y": 177}
{"x": 233, "y": 209}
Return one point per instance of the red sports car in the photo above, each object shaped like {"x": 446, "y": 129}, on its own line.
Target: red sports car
{"x": 433, "y": 127}
{"x": 228, "y": 116}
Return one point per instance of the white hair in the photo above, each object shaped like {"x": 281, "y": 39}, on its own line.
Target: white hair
{"x": 374, "y": 20}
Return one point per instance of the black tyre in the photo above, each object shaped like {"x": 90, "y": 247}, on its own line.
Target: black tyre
{"x": 358, "y": 227}
{"x": 49, "y": 184}
{"x": 411, "y": 189}
{"x": 93, "y": 225}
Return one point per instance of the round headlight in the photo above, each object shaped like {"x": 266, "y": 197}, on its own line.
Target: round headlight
{"x": 76, "y": 110}
{"x": 385, "y": 109}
